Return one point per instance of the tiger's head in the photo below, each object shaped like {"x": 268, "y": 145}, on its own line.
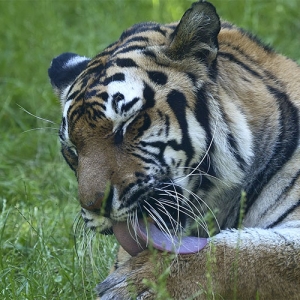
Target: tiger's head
{"x": 139, "y": 126}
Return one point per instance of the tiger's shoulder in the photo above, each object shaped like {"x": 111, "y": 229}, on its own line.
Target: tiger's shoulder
{"x": 256, "y": 59}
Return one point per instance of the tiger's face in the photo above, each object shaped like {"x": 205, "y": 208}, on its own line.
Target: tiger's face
{"x": 129, "y": 130}
{"x": 136, "y": 129}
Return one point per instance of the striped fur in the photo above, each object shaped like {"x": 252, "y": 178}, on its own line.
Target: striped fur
{"x": 179, "y": 119}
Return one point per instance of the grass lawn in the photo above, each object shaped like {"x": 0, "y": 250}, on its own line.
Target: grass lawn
{"x": 44, "y": 251}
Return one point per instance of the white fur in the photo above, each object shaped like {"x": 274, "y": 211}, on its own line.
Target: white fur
{"x": 130, "y": 88}
{"x": 74, "y": 61}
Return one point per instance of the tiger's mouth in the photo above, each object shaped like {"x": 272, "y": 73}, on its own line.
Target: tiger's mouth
{"x": 159, "y": 227}
{"x": 145, "y": 234}
{"x": 159, "y": 220}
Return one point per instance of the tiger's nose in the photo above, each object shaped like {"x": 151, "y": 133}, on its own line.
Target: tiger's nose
{"x": 93, "y": 205}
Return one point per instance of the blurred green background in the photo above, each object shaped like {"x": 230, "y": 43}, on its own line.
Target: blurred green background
{"x": 39, "y": 256}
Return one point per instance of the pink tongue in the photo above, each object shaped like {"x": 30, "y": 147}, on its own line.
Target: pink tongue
{"x": 150, "y": 235}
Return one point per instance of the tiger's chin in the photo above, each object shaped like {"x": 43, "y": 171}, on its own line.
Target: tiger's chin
{"x": 95, "y": 222}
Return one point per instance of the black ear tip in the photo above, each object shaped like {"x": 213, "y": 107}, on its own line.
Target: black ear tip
{"x": 65, "y": 68}
{"x": 61, "y": 59}
{"x": 63, "y": 62}
{"x": 204, "y": 3}
{"x": 58, "y": 64}
{"x": 205, "y": 7}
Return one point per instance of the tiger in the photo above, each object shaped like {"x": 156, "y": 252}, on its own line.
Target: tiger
{"x": 184, "y": 139}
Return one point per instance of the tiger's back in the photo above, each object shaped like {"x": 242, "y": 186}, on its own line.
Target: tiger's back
{"x": 170, "y": 124}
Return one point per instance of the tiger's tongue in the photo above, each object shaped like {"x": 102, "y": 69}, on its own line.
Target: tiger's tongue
{"x": 136, "y": 240}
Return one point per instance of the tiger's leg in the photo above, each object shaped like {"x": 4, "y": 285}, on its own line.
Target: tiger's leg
{"x": 121, "y": 257}
{"x": 247, "y": 264}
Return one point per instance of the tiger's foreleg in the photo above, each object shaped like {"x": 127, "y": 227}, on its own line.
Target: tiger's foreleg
{"x": 237, "y": 264}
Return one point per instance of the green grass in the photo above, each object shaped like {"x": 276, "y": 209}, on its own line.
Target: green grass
{"x": 40, "y": 259}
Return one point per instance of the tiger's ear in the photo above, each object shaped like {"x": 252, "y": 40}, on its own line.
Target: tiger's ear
{"x": 196, "y": 34}
{"x": 63, "y": 71}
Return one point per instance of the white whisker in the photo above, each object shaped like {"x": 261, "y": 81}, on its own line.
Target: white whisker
{"x": 188, "y": 210}
{"x": 196, "y": 169}
{"x": 176, "y": 226}
{"x": 40, "y": 128}
{"x": 159, "y": 221}
{"x": 31, "y": 114}
{"x": 200, "y": 201}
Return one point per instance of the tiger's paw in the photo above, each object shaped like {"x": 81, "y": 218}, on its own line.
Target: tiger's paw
{"x": 135, "y": 279}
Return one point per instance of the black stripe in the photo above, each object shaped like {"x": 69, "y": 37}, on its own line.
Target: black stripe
{"x": 105, "y": 210}
{"x": 119, "y": 136}
{"x": 202, "y": 113}
{"x": 285, "y": 145}
{"x": 103, "y": 96}
{"x": 284, "y": 192}
{"x": 107, "y": 51}
{"x": 158, "y": 77}
{"x": 213, "y": 71}
{"x": 192, "y": 77}
{"x": 285, "y": 214}
{"x": 126, "y": 49}
{"x": 95, "y": 68}
{"x": 161, "y": 146}
{"x": 62, "y": 129}
{"x": 205, "y": 172}
{"x": 73, "y": 95}
{"x": 86, "y": 109}
{"x": 146, "y": 125}
{"x": 83, "y": 83}
{"x": 115, "y": 99}
{"x": 135, "y": 197}
{"x": 289, "y": 121}
{"x": 92, "y": 112}
{"x": 115, "y": 77}
{"x": 232, "y": 58}
{"x": 141, "y": 28}
{"x": 146, "y": 160}
{"x": 94, "y": 104}
{"x": 126, "y": 107}
{"x": 167, "y": 125}
{"x": 149, "y": 53}
{"x": 70, "y": 157}
{"x": 148, "y": 94}
{"x": 178, "y": 103}
{"x": 137, "y": 39}
{"x": 89, "y": 94}
{"x": 233, "y": 145}
{"x": 74, "y": 116}
{"x": 126, "y": 63}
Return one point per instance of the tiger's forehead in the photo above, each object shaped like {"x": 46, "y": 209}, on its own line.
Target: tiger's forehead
{"x": 134, "y": 52}
{"x": 115, "y": 82}
{"x": 111, "y": 99}
{"x": 125, "y": 98}
{"x": 129, "y": 76}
